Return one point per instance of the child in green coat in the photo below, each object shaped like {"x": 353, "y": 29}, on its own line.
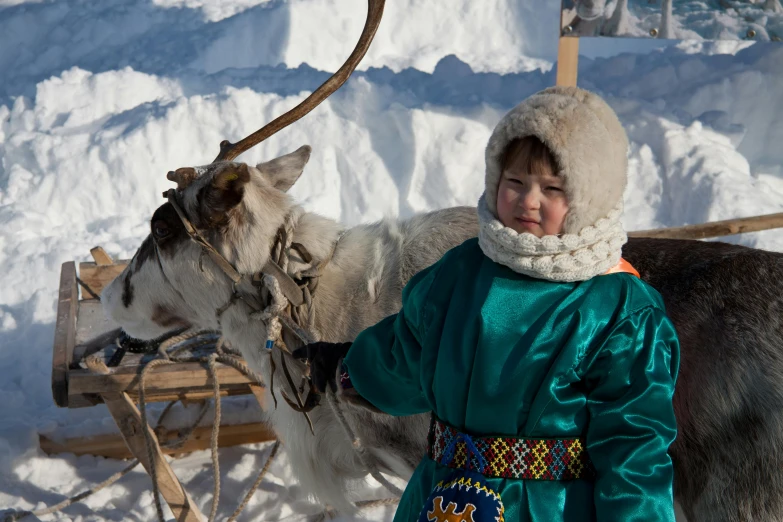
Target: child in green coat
{"x": 548, "y": 370}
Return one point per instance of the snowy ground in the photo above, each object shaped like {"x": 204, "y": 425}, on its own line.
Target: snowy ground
{"x": 98, "y": 100}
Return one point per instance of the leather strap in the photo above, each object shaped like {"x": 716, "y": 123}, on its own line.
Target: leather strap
{"x": 287, "y": 285}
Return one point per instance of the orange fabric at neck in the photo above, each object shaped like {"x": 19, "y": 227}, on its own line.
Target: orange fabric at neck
{"x": 623, "y": 266}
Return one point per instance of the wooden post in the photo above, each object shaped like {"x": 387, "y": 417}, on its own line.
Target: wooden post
{"x": 112, "y": 445}
{"x": 128, "y": 420}
{"x": 567, "y": 61}
{"x": 258, "y": 393}
{"x": 101, "y": 257}
{"x": 716, "y": 228}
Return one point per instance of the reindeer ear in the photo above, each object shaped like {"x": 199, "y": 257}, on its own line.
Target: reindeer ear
{"x": 283, "y": 172}
{"x": 224, "y": 192}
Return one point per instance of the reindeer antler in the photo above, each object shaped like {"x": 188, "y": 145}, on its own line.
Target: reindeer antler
{"x": 229, "y": 151}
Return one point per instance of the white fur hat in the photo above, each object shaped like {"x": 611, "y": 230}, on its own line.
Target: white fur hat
{"x": 587, "y": 141}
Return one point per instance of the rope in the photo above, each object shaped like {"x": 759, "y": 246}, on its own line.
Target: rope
{"x": 88, "y": 289}
{"x": 147, "y": 436}
{"x": 273, "y": 315}
{"x": 211, "y": 361}
{"x": 366, "y": 504}
{"x": 159, "y": 425}
{"x": 357, "y": 444}
{"x": 239, "y": 365}
{"x": 255, "y": 485}
{"x": 163, "y": 348}
{"x": 187, "y": 432}
{"x": 11, "y": 517}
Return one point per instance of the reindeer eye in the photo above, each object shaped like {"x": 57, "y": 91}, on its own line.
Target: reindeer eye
{"x": 160, "y": 229}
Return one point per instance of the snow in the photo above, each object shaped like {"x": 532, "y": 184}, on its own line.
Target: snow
{"x": 98, "y": 100}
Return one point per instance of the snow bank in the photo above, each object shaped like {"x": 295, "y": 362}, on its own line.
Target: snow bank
{"x": 98, "y": 101}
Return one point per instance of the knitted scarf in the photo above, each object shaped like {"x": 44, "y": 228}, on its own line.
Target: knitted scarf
{"x": 568, "y": 257}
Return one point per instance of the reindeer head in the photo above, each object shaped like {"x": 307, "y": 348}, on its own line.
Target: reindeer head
{"x": 238, "y": 209}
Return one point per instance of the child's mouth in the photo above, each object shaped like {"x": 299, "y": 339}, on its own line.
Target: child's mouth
{"x": 527, "y": 223}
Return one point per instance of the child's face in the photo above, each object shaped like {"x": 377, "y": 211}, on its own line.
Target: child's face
{"x": 533, "y": 203}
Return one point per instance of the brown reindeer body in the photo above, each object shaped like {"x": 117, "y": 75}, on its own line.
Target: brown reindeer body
{"x": 726, "y": 302}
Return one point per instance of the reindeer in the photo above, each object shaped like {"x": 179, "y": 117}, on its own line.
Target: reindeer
{"x": 591, "y": 18}
{"x": 228, "y": 223}
{"x": 773, "y": 6}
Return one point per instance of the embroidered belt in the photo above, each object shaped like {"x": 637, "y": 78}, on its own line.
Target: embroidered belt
{"x": 510, "y": 457}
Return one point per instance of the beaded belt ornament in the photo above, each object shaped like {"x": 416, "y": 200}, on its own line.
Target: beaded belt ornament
{"x": 509, "y": 457}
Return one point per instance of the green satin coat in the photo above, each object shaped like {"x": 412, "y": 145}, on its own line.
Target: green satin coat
{"x": 493, "y": 352}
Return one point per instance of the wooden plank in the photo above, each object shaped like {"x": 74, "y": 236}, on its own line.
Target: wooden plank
{"x": 258, "y": 391}
{"x": 100, "y": 256}
{"x": 94, "y": 331}
{"x": 567, "y": 61}
{"x": 128, "y": 420}
{"x": 98, "y": 277}
{"x": 716, "y": 228}
{"x": 64, "y": 333}
{"x": 113, "y": 445}
{"x": 170, "y": 379}
{"x": 92, "y": 321}
{"x": 187, "y": 396}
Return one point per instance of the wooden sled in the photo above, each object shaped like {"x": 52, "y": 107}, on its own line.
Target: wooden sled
{"x": 81, "y": 331}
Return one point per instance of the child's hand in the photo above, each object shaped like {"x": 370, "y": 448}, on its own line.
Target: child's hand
{"x": 323, "y": 359}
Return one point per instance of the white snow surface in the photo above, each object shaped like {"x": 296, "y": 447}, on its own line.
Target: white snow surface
{"x": 98, "y": 100}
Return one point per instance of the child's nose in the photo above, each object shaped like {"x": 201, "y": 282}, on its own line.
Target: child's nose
{"x": 531, "y": 199}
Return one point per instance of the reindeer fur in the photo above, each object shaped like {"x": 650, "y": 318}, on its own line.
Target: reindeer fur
{"x": 726, "y": 302}
{"x": 361, "y": 284}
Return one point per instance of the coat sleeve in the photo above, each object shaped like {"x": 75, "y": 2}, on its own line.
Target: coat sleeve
{"x": 630, "y": 383}
{"x": 384, "y": 361}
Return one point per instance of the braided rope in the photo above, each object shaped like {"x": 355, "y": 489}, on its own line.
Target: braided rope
{"x": 159, "y": 425}
{"x": 147, "y": 436}
{"x": 11, "y": 517}
{"x": 257, "y": 483}
{"x": 366, "y": 504}
{"x": 94, "y": 362}
{"x": 211, "y": 361}
{"x": 239, "y": 365}
{"x": 357, "y": 444}
{"x": 186, "y": 433}
{"x": 273, "y": 315}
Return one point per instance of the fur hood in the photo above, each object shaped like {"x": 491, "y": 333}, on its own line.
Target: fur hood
{"x": 587, "y": 141}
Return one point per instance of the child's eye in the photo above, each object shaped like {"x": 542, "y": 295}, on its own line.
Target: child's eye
{"x": 558, "y": 189}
